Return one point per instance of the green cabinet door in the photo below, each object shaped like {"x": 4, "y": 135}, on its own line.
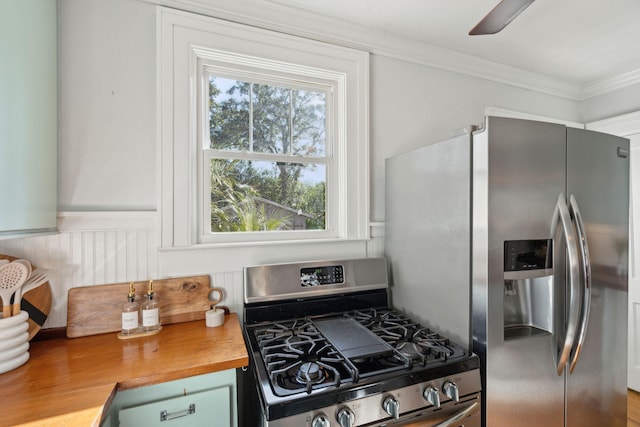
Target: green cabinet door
{"x": 204, "y": 400}
{"x": 28, "y": 117}
{"x": 207, "y": 408}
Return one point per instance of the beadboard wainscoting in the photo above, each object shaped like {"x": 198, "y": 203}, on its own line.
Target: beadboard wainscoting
{"x": 91, "y": 248}
{"x": 94, "y": 248}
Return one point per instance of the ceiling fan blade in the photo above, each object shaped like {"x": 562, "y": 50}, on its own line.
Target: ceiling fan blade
{"x": 500, "y": 16}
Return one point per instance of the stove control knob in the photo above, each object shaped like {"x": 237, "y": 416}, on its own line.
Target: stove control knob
{"x": 432, "y": 396}
{"x": 392, "y": 407}
{"x": 346, "y": 418}
{"x": 451, "y": 389}
{"x": 321, "y": 421}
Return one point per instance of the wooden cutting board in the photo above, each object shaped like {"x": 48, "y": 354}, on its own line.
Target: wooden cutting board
{"x": 37, "y": 302}
{"x": 97, "y": 309}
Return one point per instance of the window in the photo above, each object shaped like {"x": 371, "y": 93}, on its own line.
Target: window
{"x": 265, "y": 156}
{"x": 264, "y": 136}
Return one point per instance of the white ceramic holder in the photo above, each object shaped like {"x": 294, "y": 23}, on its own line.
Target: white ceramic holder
{"x": 215, "y": 317}
{"x": 14, "y": 341}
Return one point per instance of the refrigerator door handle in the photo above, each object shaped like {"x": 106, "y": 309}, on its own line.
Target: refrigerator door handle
{"x": 562, "y": 212}
{"x": 586, "y": 280}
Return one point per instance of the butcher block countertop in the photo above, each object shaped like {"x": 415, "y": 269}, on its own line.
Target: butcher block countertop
{"x": 70, "y": 382}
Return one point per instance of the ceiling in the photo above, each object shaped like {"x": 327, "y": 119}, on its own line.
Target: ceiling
{"x": 575, "y": 41}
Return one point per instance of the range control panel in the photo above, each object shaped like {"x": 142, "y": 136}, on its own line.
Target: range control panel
{"x": 427, "y": 402}
{"x": 320, "y": 276}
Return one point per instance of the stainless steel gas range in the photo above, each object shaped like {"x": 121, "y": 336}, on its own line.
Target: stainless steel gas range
{"x": 326, "y": 349}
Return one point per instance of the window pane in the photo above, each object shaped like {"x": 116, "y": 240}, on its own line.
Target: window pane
{"x": 271, "y": 128}
{"x": 229, "y": 114}
{"x": 309, "y": 123}
{"x": 266, "y": 196}
{"x": 266, "y": 118}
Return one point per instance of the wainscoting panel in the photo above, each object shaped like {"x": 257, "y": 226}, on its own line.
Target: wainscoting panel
{"x": 232, "y": 283}
{"x": 90, "y": 249}
{"x": 375, "y": 246}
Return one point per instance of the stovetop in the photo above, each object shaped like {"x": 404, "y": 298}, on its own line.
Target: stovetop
{"x": 308, "y": 354}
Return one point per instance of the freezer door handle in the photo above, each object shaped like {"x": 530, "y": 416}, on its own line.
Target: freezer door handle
{"x": 562, "y": 212}
{"x": 586, "y": 279}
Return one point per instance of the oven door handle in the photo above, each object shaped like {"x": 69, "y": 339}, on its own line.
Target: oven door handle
{"x": 459, "y": 416}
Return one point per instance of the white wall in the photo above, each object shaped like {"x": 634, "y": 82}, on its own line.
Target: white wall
{"x": 413, "y": 105}
{"x": 108, "y": 152}
{"x": 107, "y": 105}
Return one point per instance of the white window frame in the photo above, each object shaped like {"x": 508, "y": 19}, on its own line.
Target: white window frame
{"x": 270, "y": 72}
{"x": 189, "y": 45}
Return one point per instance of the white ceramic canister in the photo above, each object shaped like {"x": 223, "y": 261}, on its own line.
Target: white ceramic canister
{"x": 14, "y": 341}
{"x": 215, "y": 317}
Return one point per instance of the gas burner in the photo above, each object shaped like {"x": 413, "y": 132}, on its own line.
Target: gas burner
{"x": 309, "y": 372}
{"x": 410, "y": 339}
{"x": 369, "y": 317}
{"x": 375, "y": 319}
{"x": 429, "y": 339}
{"x": 289, "y": 332}
{"x": 410, "y": 350}
{"x": 420, "y": 344}
{"x": 298, "y": 358}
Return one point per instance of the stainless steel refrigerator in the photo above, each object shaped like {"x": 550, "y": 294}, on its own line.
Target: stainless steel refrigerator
{"x": 513, "y": 239}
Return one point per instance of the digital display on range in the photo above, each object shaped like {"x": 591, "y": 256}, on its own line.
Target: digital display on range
{"x": 522, "y": 255}
{"x": 320, "y": 276}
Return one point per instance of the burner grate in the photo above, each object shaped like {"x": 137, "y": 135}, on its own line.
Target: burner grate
{"x": 299, "y": 358}
{"x": 307, "y": 354}
{"x": 412, "y": 340}
{"x": 291, "y": 331}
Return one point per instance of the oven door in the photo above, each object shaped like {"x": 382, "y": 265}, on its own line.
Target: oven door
{"x": 463, "y": 414}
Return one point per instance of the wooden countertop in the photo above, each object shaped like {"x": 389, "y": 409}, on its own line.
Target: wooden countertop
{"x": 70, "y": 381}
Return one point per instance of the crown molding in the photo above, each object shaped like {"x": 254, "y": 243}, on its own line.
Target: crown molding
{"x": 624, "y": 125}
{"x": 601, "y": 87}
{"x": 278, "y": 16}
{"x": 473, "y": 66}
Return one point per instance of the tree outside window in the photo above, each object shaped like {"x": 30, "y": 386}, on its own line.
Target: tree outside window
{"x": 268, "y": 161}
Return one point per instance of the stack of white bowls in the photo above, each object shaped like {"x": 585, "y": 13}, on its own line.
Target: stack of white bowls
{"x": 14, "y": 341}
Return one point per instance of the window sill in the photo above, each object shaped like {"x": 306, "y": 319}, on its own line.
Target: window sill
{"x": 266, "y": 243}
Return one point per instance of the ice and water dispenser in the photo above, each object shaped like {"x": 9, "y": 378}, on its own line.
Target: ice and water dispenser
{"x": 528, "y": 288}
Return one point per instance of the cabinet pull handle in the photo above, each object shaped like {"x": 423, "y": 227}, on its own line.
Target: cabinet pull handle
{"x": 165, "y": 416}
